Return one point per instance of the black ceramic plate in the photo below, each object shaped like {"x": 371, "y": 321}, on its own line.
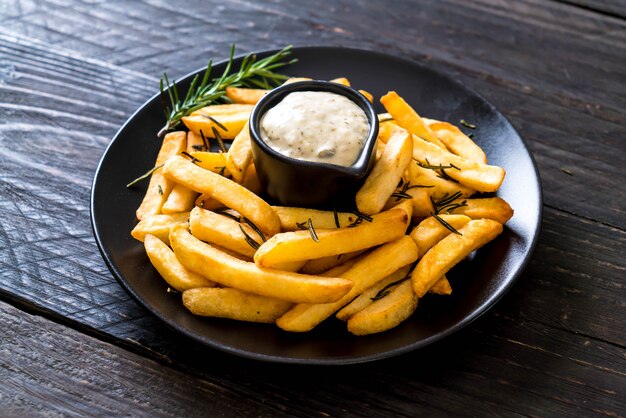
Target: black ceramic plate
{"x": 478, "y": 282}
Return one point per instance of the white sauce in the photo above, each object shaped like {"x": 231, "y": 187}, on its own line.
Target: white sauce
{"x": 316, "y": 126}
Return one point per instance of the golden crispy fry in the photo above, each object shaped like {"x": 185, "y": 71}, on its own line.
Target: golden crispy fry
{"x": 181, "y": 199}
{"x": 295, "y": 80}
{"x": 384, "y": 177}
{"x": 385, "y": 313}
{"x": 224, "y": 190}
{"x": 441, "y": 287}
{"x": 341, "y": 80}
{"x": 430, "y": 231}
{"x": 481, "y": 177}
{"x": 298, "y": 245}
{"x": 217, "y": 229}
{"x": 419, "y": 199}
{"x": 251, "y": 180}
{"x": 320, "y": 265}
{"x": 367, "y": 95}
{"x": 456, "y": 141}
{"x": 450, "y": 251}
{"x": 384, "y": 117}
{"x": 494, "y": 208}
{"x": 245, "y": 96}
{"x": 239, "y": 155}
{"x": 248, "y": 277}
{"x": 234, "y": 304}
{"x": 212, "y": 161}
{"x": 366, "y": 271}
{"x": 158, "y": 225}
{"x": 199, "y": 122}
{"x": 224, "y": 109}
{"x": 405, "y": 116}
{"x": 322, "y": 219}
{"x": 168, "y": 266}
{"x": 373, "y": 292}
{"x": 160, "y": 187}
{"x": 195, "y": 143}
{"x": 205, "y": 201}
{"x": 387, "y": 129}
{"x": 437, "y": 187}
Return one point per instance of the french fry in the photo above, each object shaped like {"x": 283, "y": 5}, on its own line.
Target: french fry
{"x": 291, "y": 217}
{"x": 160, "y": 187}
{"x": 450, "y": 251}
{"x": 196, "y": 143}
{"x": 199, "y": 122}
{"x": 481, "y": 177}
{"x": 239, "y": 155}
{"x": 298, "y": 245}
{"x": 251, "y": 180}
{"x": 341, "y": 80}
{"x": 229, "y": 271}
{"x": 212, "y": 161}
{"x": 441, "y": 287}
{"x": 494, "y": 208}
{"x": 384, "y": 177}
{"x": 372, "y": 293}
{"x": 456, "y": 141}
{"x": 387, "y": 129}
{"x": 419, "y": 199}
{"x": 437, "y": 187}
{"x": 181, "y": 199}
{"x": 369, "y": 96}
{"x": 217, "y": 229}
{"x": 158, "y": 225}
{"x": 295, "y": 80}
{"x": 168, "y": 266}
{"x": 430, "y": 231}
{"x": 234, "y": 304}
{"x": 320, "y": 265}
{"x": 385, "y": 313}
{"x": 244, "y": 95}
{"x": 384, "y": 117}
{"x": 226, "y": 191}
{"x": 368, "y": 270}
{"x": 405, "y": 116}
{"x": 225, "y": 109}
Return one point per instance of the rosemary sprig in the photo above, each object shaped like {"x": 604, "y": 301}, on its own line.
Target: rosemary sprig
{"x": 191, "y": 157}
{"x": 256, "y": 228}
{"x": 202, "y": 92}
{"x": 467, "y": 124}
{"x": 217, "y": 136}
{"x": 439, "y": 169}
{"x": 360, "y": 217}
{"x": 446, "y": 205}
{"x": 308, "y": 225}
{"x": 384, "y": 291}
{"x": 144, "y": 176}
{"x": 402, "y": 193}
{"x": 251, "y": 242}
{"x": 445, "y": 224}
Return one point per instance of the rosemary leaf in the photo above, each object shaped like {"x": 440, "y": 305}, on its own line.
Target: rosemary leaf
{"x": 217, "y": 136}
{"x": 312, "y": 231}
{"x": 467, "y": 124}
{"x": 191, "y": 157}
{"x": 445, "y": 224}
{"x": 251, "y": 72}
{"x": 251, "y": 242}
{"x": 336, "y": 215}
{"x": 385, "y": 290}
{"x": 256, "y": 228}
{"x": 144, "y": 176}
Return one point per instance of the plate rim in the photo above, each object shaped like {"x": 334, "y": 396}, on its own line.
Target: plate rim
{"x": 339, "y": 360}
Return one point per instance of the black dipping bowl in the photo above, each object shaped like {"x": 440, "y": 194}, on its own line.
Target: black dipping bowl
{"x": 300, "y": 183}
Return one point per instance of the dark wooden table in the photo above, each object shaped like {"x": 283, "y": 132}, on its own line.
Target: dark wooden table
{"x": 72, "y": 342}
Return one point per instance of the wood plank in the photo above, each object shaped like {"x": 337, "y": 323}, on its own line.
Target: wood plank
{"x": 611, "y": 8}
{"x": 48, "y": 369}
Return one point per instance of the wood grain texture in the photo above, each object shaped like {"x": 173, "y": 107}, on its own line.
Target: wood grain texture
{"x": 71, "y": 72}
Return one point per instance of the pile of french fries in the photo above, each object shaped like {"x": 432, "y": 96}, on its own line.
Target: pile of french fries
{"x": 211, "y": 236}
